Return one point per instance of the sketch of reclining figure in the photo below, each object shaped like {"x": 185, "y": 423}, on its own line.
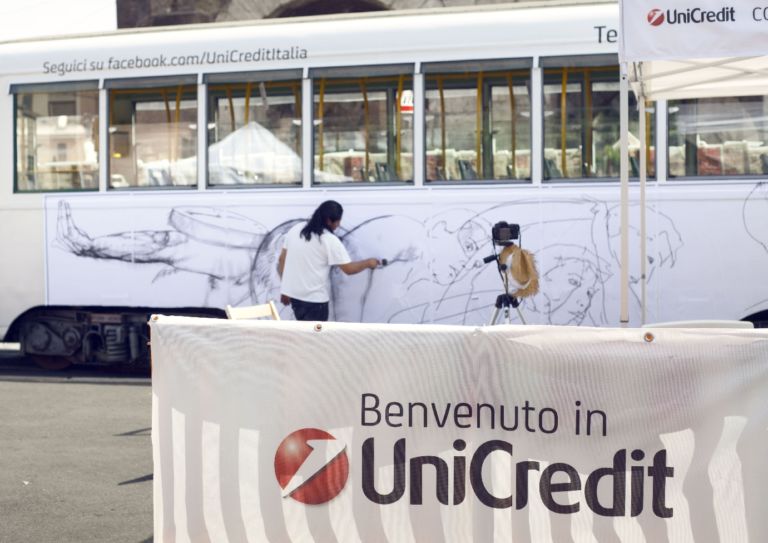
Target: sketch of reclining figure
{"x": 213, "y": 242}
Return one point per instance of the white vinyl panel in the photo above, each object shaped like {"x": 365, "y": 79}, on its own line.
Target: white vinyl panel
{"x": 250, "y": 502}
{"x": 395, "y": 517}
{"x": 725, "y": 473}
{"x": 680, "y": 448}
{"x": 341, "y": 508}
{"x": 212, "y": 511}
{"x": 178, "y": 423}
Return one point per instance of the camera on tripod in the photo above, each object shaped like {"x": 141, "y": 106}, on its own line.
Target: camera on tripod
{"x": 504, "y": 233}
{"x": 516, "y": 267}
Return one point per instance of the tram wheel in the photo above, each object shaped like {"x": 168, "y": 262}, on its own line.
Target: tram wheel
{"x": 48, "y": 362}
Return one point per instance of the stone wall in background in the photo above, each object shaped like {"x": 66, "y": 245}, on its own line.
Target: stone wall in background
{"x": 136, "y": 13}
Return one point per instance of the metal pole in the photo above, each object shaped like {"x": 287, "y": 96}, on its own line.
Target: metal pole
{"x": 419, "y": 152}
{"x": 624, "y": 170}
{"x": 537, "y": 121}
{"x": 307, "y": 132}
{"x": 202, "y": 134}
{"x": 643, "y": 174}
{"x": 104, "y": 151}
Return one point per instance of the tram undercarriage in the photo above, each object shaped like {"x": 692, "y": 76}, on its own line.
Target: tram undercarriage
{"x": 55, "y": 337}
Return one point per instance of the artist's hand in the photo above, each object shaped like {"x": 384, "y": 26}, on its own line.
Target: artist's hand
{"x": 373, "y": 263}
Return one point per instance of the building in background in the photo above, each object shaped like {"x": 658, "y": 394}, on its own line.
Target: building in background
{"x": 137, "y": 13}
{"x": 43, "y": 18}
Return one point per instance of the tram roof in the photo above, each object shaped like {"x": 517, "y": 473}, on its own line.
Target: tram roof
{"x": 359, "y": 16}
{"x": 520, "y": 30}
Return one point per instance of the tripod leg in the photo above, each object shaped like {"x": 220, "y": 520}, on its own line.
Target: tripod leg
{"x": 494, "y": 316}
{"x": 520, "y": 314}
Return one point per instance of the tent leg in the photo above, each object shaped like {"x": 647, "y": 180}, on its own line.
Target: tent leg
{"x": 624, "y": 171}
{"x": 643, "y": 227}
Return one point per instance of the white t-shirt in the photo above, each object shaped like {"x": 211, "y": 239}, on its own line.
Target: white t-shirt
{"x": 306, "y": 275}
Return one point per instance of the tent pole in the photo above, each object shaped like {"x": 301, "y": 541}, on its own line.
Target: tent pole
{"x": 643, "y": 161}
{"x": 624, "y": 172}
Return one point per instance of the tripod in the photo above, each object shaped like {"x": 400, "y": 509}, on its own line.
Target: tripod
{"x": 503, "y": 301}
{"x": 506, "y": 301}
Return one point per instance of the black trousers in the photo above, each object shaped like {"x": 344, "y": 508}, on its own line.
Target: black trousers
{"x": 309, "y": 311}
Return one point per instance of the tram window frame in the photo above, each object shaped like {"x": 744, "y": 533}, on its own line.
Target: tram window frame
{"x": 488, "y": 76}
{"x": 87, "y": 178}
{"x": 566, "y": 73}
{"x": 707, "y": 150}
{"x": 180, "y": 89}
{"x": 254, "y": 90}
{"x": 391, "y": 80}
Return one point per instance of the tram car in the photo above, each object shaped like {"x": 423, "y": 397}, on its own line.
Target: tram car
{"x": 157, "y": 170}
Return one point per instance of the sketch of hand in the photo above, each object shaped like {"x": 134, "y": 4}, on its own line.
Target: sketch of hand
{"x": 69, "y": 234}
{"x": 131, "y": 246}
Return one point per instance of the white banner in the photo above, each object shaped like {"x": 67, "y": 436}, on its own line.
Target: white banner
{"x": 292, "y": 432}
{"x": 680, "y": 29}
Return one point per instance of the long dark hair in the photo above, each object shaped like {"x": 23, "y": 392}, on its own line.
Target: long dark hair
{"x": 330, "y": 210}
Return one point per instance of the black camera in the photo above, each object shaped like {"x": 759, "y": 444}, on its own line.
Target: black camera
{"x": 505, "y": 233}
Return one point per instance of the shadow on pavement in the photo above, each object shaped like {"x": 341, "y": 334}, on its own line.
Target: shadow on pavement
{"x": 142, "y": 479}
{"x": 139, "y": 432}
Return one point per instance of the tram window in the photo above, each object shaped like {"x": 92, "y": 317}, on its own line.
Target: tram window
{"x": 581, "y": 125}
{"x": 478, "y": 126}
{"x": 153, "y": 137}
{"x": 57, "y": 139}
{"x": 718, "y": 137}
{"x": 254, "y": 133}
{"x": 363, "y": 129}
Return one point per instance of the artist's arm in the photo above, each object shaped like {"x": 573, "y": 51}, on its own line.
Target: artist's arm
{"x": 281, "y": 263}
{"x": 351, "y": 268}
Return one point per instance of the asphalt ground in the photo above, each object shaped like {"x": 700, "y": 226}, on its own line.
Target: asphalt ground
{"x": 75, "y": 455}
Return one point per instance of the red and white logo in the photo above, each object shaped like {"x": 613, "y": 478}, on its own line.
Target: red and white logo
{"x": 311, "y": 466}
{"x": 406, "y": 101}
{"x": 656, "y": 17}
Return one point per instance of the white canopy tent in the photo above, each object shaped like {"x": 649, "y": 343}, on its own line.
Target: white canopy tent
{"x": 684, "y": 50}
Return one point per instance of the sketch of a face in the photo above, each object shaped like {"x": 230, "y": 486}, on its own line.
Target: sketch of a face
{"x": 662, "y": 245}
{"x": 572, "y": 276}
{"x": 570, "y": 283}
{"x": 461, "y": 236}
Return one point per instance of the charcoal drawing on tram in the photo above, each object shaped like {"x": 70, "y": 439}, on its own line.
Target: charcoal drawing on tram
{"x": 227, "y": 255}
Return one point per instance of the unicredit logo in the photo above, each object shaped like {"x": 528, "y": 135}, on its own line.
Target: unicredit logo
{"x": 311, "y": 466}
{"x": 656, "y": 17}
